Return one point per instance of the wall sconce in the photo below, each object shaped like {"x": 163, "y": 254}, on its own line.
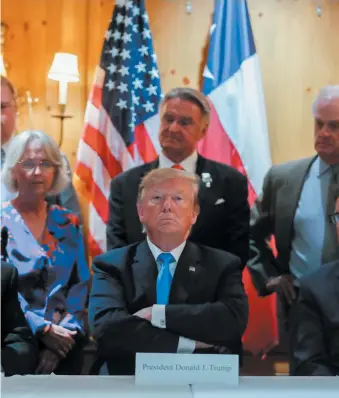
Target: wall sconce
{"x": 64, "y": 69}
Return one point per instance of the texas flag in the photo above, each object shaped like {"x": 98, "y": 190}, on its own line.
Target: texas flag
{"x": 238, "y": 132}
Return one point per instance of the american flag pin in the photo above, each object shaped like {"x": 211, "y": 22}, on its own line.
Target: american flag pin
{"x": 191, "y": 269}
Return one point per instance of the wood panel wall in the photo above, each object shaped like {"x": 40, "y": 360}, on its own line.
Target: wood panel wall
{"x": 299, "y": 53}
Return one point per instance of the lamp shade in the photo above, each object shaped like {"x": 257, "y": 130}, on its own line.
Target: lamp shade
{"x": 2, "y": 66}
{"x": 64, "y": 68}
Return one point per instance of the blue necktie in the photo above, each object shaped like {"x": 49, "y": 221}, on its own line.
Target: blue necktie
{"x": 164, "y": 279}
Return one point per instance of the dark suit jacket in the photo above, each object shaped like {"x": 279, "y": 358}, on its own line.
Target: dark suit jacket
{"x": 207, "y": 303}
{"x": 19, "y": 350}
{"x": 314, "y": 324}
{"x": 224, "y": 226}
{"x": 273, "y": 214}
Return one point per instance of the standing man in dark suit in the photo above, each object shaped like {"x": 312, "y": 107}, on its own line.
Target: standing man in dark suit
{"x": 314, "y": 320}
{"x": 19, "y": 349}
{"x": 224, "y": 211}
{"x": 296, "y": 199}
{"x": 166, "y": 294}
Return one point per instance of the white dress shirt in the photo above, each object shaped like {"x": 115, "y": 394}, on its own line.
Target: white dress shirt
{"x": 159, "y": 310}
{"x": 189, "y": 164}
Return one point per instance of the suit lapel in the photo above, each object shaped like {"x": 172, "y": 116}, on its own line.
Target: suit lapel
{"x": 287, "y": 204}
{"x": 145, "y": 272}
{"x": 187, "y": 274}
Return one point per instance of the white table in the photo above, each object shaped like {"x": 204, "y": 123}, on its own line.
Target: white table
{"x": 113, "y": 386}
{"x": 85, "y": 387}
{"x": 273, "y": 387}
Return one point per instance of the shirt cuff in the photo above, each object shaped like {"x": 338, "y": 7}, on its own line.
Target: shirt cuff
{"x": 185, "y": 346}
{"x": 159, "y": 316}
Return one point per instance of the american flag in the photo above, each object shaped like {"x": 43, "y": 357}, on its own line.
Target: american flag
{"x": 121, "y": 120}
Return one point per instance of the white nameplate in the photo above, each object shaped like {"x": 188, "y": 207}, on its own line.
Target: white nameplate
{"x": 176, "y": 369}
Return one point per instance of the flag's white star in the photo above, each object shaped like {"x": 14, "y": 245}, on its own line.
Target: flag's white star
{"x": 137, "y": 83}
{"x": 116, "y": 35}
{"x": 154, "y": 73}
{"x": 154, "y": 56}
{"x": 135, "y": 28}
{"x": 127, "y": 21}
{"x": 114, "y": 52}
{"x": 122, "y": 104}
{"x": 152, "y": 90}
{"x": 124, "y": 54}
{"x": 126, "y": 37}
{"x": 129, "y": 4}
{"x": 141, "y": 67}
{"x": 122, "y": 87}
{"x": 143, "y": 50}
{"x": 120, "y": 18}
{"x": 124, "y": 70}
{"x": 108, "y": 34}
{"x": 135, "y": 99}
{"x": 149, "y": 107}
{"x": 145, "y": 16}
{"x": 131, "y": 126}
{"x": 120, "y": 3}
{"x": 110, "y": 85}
{"x": 112, "y": 68}
{"x": 146, "y": 34}
{"x": 136, "y": 11}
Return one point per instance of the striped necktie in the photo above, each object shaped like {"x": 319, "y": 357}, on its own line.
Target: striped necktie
{"x": 164, "y": 279}
{"x": 330, "y": 245}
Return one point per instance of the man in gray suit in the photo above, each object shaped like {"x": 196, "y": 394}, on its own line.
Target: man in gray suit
{"x": 294, "y": 207}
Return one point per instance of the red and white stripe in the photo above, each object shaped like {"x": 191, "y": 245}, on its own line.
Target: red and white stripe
{"x": 102, "y": 154}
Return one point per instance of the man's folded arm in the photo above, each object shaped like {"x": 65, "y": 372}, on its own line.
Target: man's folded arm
{"x": 218, "y": 323}
{"x": 114, "y": 328}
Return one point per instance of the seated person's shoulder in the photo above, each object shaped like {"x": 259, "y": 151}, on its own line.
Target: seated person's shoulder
{"x": 319, "y": 280}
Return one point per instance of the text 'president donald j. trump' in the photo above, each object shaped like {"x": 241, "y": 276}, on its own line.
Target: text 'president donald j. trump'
{"x": 166, "y": 294}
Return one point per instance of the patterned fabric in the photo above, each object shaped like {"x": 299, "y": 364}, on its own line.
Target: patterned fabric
{"x": 53, "y": 275}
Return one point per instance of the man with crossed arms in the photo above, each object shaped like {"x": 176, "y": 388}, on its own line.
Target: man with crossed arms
{"x": 166, "y": 294}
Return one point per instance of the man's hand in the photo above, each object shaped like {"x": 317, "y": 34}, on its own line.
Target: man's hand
{"x": 284, "y": 285}
{"x": 59, "y": 339}
{"x": 199, "y": 345}
{"x": 48, "y": 362}
{"x": 145, "y": 313}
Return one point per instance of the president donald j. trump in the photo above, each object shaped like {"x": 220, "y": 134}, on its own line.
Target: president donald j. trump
{"x": 166, "y": 294}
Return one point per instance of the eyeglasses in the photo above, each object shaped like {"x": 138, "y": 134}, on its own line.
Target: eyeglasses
{"x": 30, "y": 165}
{"x": 334, "y": 218}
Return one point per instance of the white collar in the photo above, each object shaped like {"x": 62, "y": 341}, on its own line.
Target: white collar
{"x": 189, "y": 164}
{"x": 176, "y": 253}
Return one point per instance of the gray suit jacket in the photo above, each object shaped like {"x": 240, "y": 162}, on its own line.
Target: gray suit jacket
{"x": 273, "y": 215}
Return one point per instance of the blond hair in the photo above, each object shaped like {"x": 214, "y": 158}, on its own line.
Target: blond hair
{"x": 16, "y": 150}
{"x": 158, "y": 176}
